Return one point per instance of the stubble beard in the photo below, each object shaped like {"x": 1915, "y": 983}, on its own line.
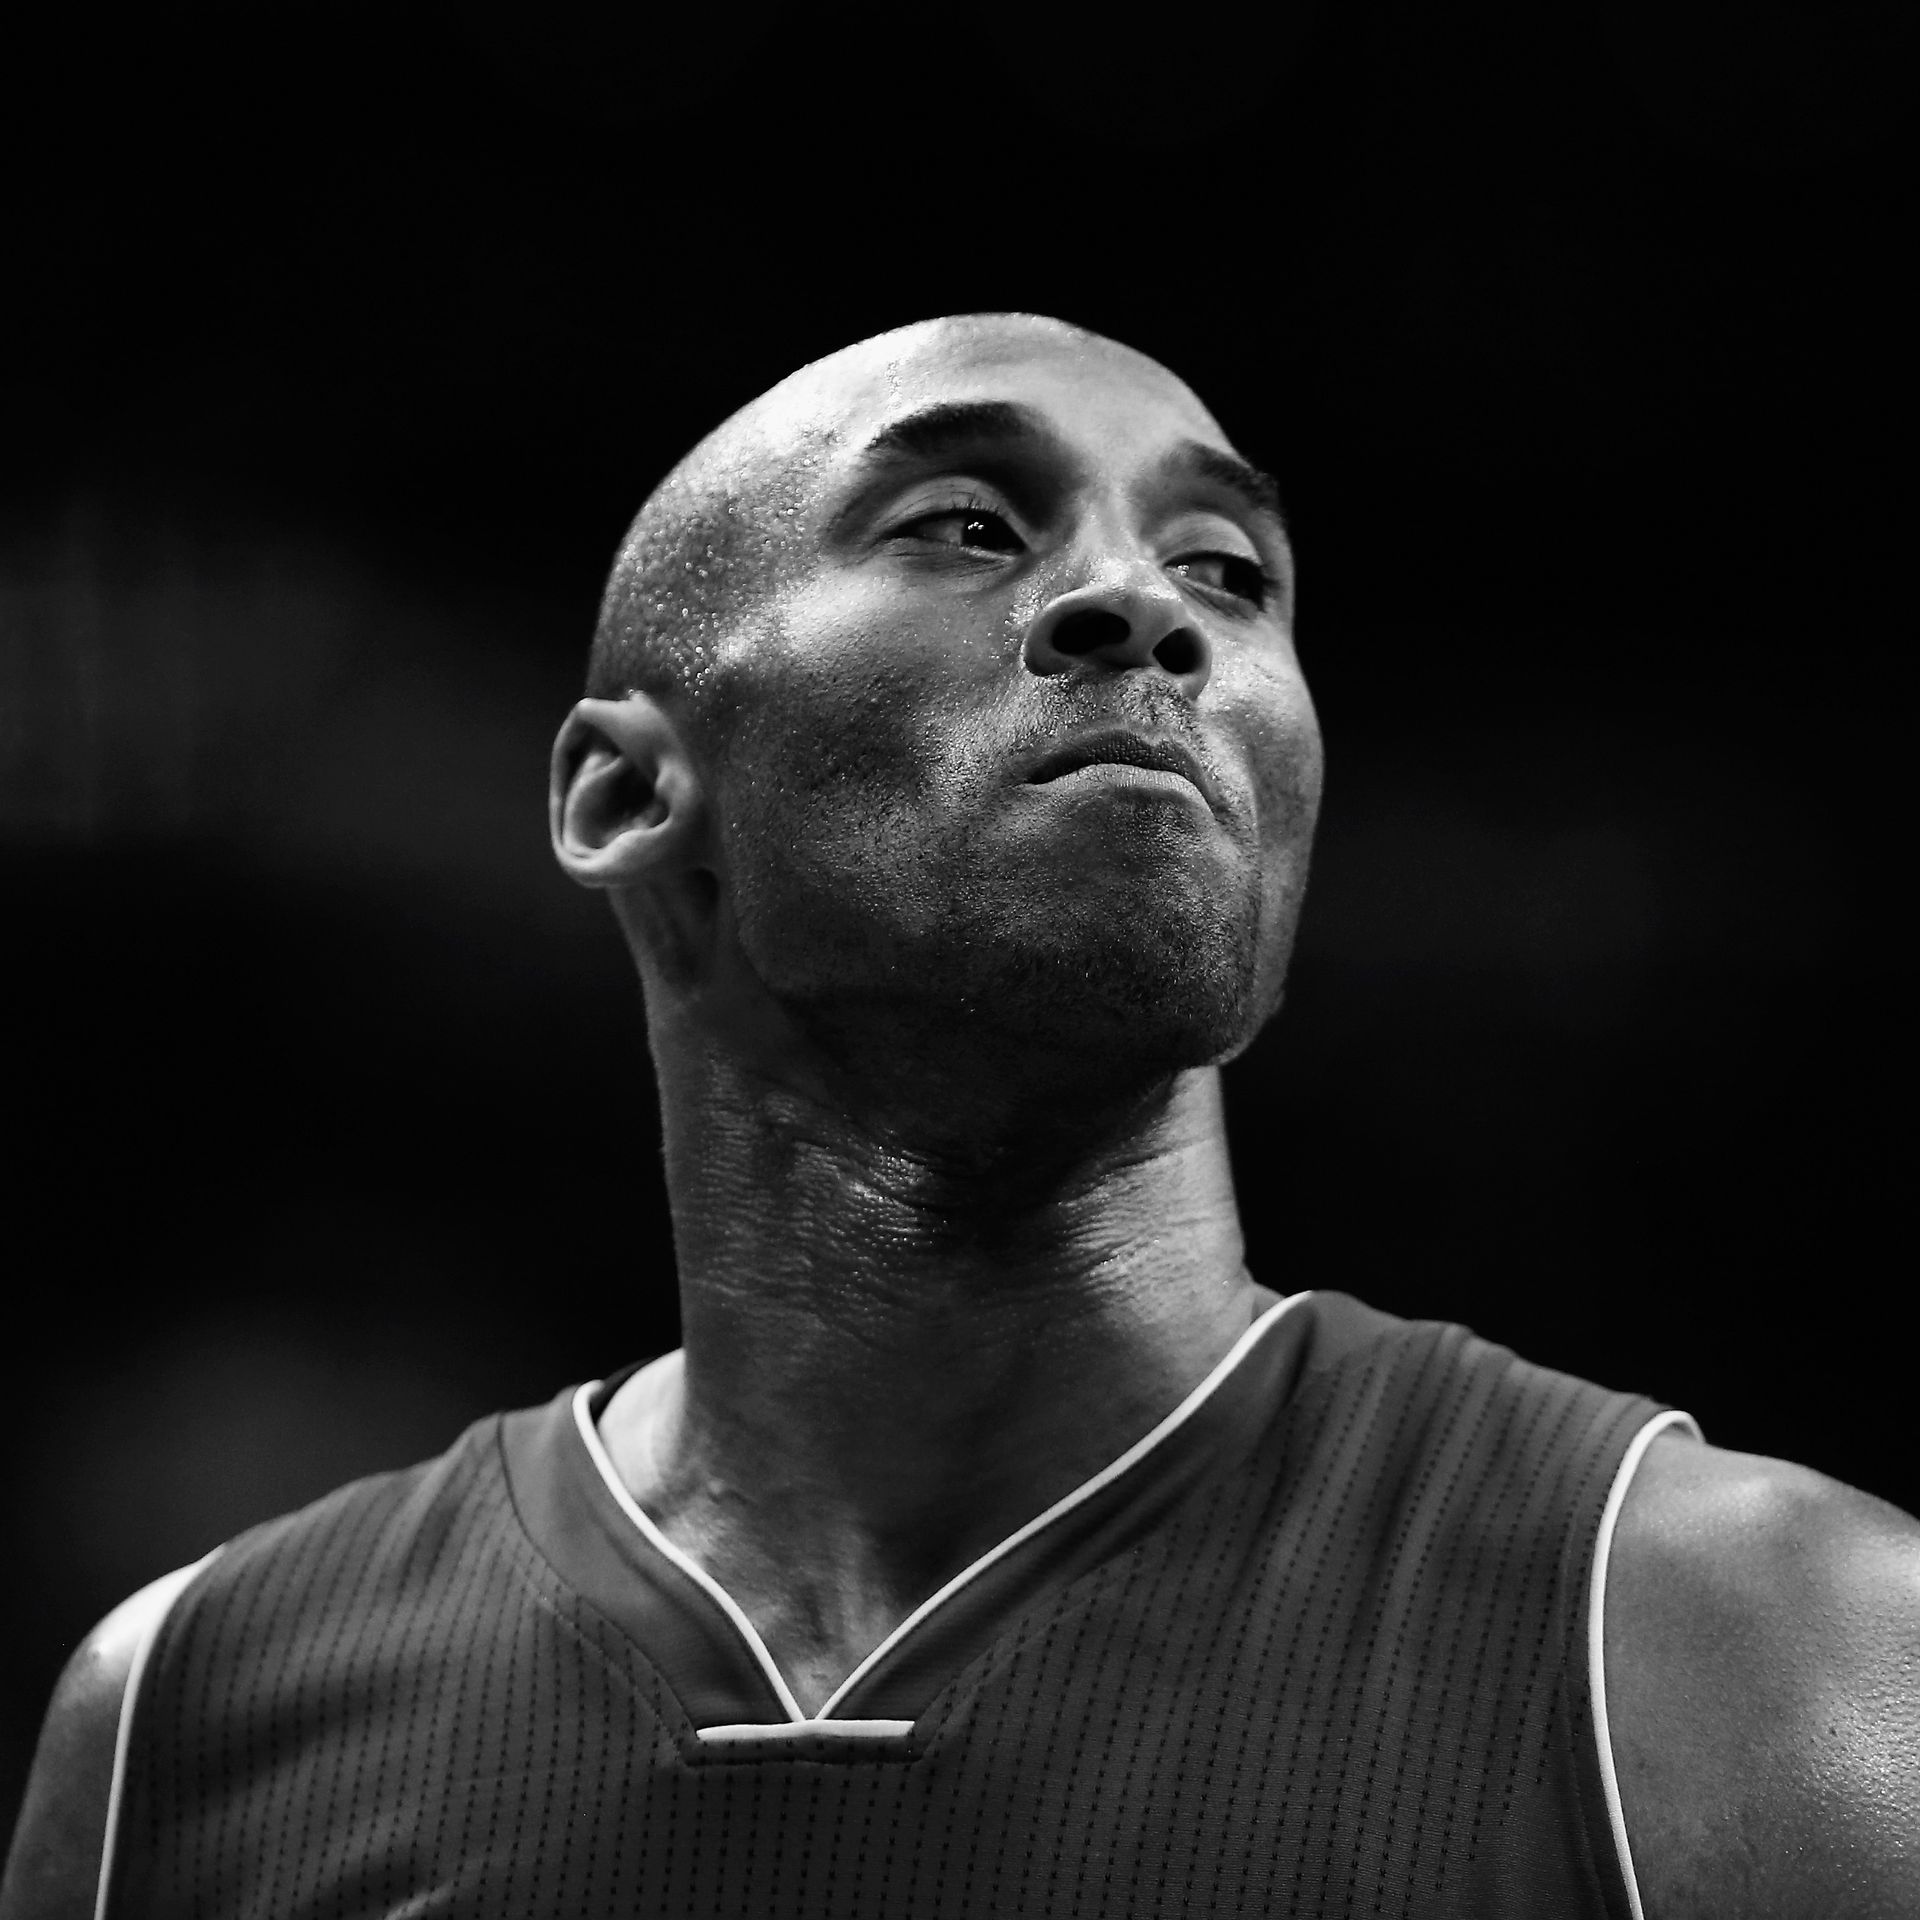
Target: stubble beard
{"x": 982, "y": 979}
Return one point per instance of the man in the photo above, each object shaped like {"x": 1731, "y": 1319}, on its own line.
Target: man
{"x": 996, "y": 1544}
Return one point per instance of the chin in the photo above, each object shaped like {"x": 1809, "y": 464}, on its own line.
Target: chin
{"x": 1146, "y": 992}
{"x": 1057, "y": 969}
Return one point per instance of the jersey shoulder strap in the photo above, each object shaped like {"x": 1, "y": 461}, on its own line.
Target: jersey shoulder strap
{"x": 126, "y": 1636}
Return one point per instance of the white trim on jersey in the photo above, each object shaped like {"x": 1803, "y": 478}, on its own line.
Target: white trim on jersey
{"x": 798, "y": 1722}
{"x": 151, "y": 1605}
{"x": 583, "y": 1419}
{"x": 1597, "y": 1637}
{"x": 1082, "y": 1493}
{"x": 806, "y": 1729}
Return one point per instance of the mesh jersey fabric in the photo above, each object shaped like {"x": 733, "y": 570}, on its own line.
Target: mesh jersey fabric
{"x": 1331, "y": 1663}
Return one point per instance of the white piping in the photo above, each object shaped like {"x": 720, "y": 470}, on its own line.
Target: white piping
{"x": 1597, "y": 1639}
{"x": 583, "y": 1419}
{"x": 803, "y": 1729}
{"x": 156, "y": 1601}
{"x": 1082, "y": 1493}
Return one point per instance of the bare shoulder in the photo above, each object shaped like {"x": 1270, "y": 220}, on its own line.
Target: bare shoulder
{"x": 53, "y": 1866}
{"x": 1763, "y": 1684}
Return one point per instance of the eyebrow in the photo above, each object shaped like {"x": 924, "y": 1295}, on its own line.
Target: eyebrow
{"x": 949, "y": 432}
{"x": 950, "y": 428}
{"x": 1257, "y": 490}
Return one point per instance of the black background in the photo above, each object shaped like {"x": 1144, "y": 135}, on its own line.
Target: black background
{"x": 341, "y": 345}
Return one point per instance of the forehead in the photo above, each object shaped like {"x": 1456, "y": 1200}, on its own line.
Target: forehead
{"x": 1113, "y": 405}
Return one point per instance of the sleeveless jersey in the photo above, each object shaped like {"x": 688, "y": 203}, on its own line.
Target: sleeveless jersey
{"x": 1322, "y": 1644}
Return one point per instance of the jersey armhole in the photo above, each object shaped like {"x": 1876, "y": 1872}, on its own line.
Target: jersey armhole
{"x": 149, "y": 1608}
{"x": 1597, "y": 1638}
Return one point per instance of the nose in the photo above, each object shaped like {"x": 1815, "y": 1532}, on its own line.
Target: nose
{"x": 1120, "y": 625}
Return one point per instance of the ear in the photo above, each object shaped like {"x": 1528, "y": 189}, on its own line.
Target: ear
{"x": 624, "y": 800}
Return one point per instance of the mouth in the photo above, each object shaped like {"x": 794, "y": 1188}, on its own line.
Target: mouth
{"x": 1120, "y": 747}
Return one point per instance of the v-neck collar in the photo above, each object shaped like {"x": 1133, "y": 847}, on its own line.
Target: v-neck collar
{"x": 580, "y": 1515}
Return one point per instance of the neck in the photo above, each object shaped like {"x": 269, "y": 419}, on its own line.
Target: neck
{"x": 892, "y": 1360}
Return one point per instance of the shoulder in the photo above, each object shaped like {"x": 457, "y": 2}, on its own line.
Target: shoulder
{"x": 53, "y": 1869}
{"x": 1763, "y": 1684}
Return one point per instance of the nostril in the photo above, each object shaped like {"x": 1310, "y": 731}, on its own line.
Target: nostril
{"x": 1179, "y": 652}
{"x": 1087, "y": 629}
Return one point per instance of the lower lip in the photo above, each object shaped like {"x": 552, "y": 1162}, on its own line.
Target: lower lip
{"x": 1124, "y": 774}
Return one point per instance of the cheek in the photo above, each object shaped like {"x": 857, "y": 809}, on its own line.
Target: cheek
{"x": 848, "y": 700}
{"x": 1271, "y": 712}
{"x": 849, "y": 771}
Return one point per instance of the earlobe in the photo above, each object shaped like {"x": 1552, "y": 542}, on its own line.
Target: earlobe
{"x": 623, "y": 800}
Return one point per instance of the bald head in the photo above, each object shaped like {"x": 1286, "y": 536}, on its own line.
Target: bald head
{"x": 719, "y": 533}
{"x": 944, "y": 699}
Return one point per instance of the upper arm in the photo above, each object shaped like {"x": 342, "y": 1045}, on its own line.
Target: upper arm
{"x": 1763, "y": 1685}
{"x": 53, "y": 1867}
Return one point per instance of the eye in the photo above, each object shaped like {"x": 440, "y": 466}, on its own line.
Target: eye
{"x": 971, "y": 525}
{"x": 1230, "y": 573}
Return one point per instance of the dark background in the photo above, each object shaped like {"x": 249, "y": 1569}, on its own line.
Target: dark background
{"x": 342, "y": 343}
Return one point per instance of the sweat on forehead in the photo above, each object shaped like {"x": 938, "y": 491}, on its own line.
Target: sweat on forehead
{"x": 709, "y": 544}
